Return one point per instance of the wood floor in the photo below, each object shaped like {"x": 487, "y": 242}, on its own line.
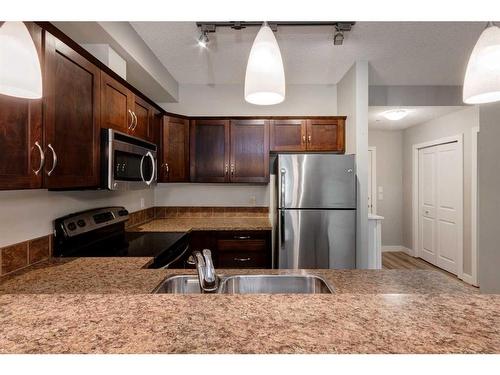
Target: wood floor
{"x": 398, "y": 260}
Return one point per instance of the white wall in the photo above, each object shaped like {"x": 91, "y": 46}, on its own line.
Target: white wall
{"x": 459, "y": 122}
{"x": 200, "y": 194}
{"x": 228, "y": 100}
{"x": 27, "y": 214}
{"x": 353, "y": 102}
{"x": 389, "y": 146}
{"x": 489, "y": 199}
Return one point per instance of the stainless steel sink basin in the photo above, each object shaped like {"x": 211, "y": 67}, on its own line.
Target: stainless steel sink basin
{"x": 274, "y": 284}
{"x": 182, "y": 284}
{"x": 249, "y": 284}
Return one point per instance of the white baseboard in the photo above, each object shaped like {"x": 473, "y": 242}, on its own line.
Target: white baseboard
{"x": 397, "y": 248}
{"x": 468, "y": 279}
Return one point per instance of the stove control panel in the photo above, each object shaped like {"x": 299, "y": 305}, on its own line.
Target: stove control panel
{"x": 87, "y": 221}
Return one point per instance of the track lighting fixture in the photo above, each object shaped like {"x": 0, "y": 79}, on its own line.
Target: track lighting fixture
{"x": 203, "y": 39}
{"x": 338, "y": 37}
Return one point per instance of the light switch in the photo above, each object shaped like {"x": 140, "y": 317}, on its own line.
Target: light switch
{"x": 381, "y": 189}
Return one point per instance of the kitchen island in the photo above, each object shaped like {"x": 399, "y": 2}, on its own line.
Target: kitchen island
{"x": 106, "y": 306}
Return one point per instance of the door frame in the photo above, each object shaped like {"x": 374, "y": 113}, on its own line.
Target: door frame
{"x": 373, "y": 168}
{"x": 415, "y": 192}
{"x": 472, "y": 278}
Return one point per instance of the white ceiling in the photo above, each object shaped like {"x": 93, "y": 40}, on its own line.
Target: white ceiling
{"x": 400, "y": 53}
{"x": 417, "y": 115}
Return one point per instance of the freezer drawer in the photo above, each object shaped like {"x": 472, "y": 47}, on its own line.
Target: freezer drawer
{"x": 316, "y": 181}
{"x": 316, "y": 239}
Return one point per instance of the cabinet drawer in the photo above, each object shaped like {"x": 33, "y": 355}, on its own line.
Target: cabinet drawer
{"x": 242, "y": 259}
{"x": 241, "y": 245}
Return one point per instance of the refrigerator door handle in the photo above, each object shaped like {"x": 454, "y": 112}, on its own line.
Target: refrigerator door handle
{"x": 283, "y": 171}
{"x": 282, "y": 227}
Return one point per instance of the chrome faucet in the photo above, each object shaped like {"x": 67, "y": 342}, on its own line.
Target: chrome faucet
{"x": 209, "y": 282}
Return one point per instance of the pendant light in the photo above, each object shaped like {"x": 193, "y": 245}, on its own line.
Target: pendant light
{"x": 482, "y": 77}
{"x": 265, "y": 76}
{"x": 20, "y": 72}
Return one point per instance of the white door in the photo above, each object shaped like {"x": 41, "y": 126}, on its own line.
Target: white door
{"x": 440, "y": 205}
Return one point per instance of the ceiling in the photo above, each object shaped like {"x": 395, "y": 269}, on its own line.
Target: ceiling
{"x": 416, "y": 116}
{"x": 400, "y": 53}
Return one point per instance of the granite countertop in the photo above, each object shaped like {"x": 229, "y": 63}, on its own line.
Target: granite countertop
{"x": 205, "y": 224}
{"x": 96, "y": 305}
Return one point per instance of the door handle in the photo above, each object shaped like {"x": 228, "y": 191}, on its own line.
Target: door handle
{"x": 54, "y": 160}
{"x": 242, "y": 237}
{"x": 282, "y": 227}
{"x": 42, "y": 158}
{"x": 283, "y": 171}
{"x": 131, "y": 119}
{"x": 153, "y": 171}
{"x": 135, "y": 120}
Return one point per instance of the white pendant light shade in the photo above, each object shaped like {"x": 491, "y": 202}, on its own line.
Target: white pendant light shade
{"x": 265, "y": 76}
{"x": 20, "y": 72}
{"x": 482, "y": 77}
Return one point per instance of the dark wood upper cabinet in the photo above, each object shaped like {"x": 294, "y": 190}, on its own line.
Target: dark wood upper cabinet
{"x": 209, "y": 150}
{"x": 21, "y": 140}
{"x": 174, "y": 148}
{"x": 116, "y": 104}
{"x": 143, "y": 124}
{"x": 288, "y": 135}
{"x": 325, "y": 135}
{"x": 249, "y": 160}
{"x": 71, "y": 118}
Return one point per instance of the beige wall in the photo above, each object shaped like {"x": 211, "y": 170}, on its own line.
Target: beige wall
{"x": 488, "y": 197}
{"x": 27, "y": 214}
{"x": 389, "y": 175}
{"x": 228, "y": 100}
{"x": 460, "y": 122}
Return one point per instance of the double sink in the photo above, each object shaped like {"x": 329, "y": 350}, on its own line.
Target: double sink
{"x": 249, "y": 284}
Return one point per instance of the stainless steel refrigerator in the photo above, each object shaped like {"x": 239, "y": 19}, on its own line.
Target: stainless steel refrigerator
{"x": 316, "y": 211}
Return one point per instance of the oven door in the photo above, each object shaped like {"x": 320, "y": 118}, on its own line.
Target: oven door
{"x": 130, "y": 166}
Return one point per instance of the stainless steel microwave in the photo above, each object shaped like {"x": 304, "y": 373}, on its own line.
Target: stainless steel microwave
{"x": 127, "y": 163}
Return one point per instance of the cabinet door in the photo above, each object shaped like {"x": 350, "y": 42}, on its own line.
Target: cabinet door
{"x": 175, "y": 150}
{"x": 71, "y": 118}
{"x": 116, "y": 104}
{"x": 325, "y": 135}
{"x": 209, "y": 150}
{"x": 142, "y": 126}
{"x": 249, "y": 161}
{"x": 288, "y": 135}
{"x": 21, "y": 138}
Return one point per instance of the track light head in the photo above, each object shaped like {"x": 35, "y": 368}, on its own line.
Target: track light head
{"x": 203, "y": 39}
{"x": 338, "y": 36}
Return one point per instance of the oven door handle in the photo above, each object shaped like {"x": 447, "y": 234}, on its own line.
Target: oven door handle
{"x": 149, "y": 182}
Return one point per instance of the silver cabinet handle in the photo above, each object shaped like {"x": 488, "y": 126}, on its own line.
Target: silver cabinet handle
{"x": 226, "y": 169}
{"x": 54, "y": 160}
{"x": 135, "y": 120}
{"x": 131, "y": 119}
{"x": 242, "y": 259}
{"x": 152, "y": 163}
{"x": 42, "y": 158}
{"x": 283, "y": 171}
{"x": 242, "y": 237}
{"x": 232, "y": 169}
{"x": 303, "y": 138}
{"x": 309, "y": 138}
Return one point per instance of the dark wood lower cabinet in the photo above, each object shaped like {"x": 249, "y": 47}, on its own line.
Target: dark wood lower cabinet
{"x": 21, "y": 138}
{"x": 232, "y": 249}
{"x": 71, "y": 118}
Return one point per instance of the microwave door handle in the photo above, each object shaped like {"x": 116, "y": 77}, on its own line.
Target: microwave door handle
{"x": 153, "y": 165}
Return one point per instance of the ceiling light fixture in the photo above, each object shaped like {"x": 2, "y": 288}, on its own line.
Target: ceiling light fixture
{"x": 203, "y": 39}
{"x": 395, "y": 114}
{"x": 265, "y": 76}
{"x": 20, "y": 71}
{"x": 338, "y": 37}
{"x": 482, "y": 77}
